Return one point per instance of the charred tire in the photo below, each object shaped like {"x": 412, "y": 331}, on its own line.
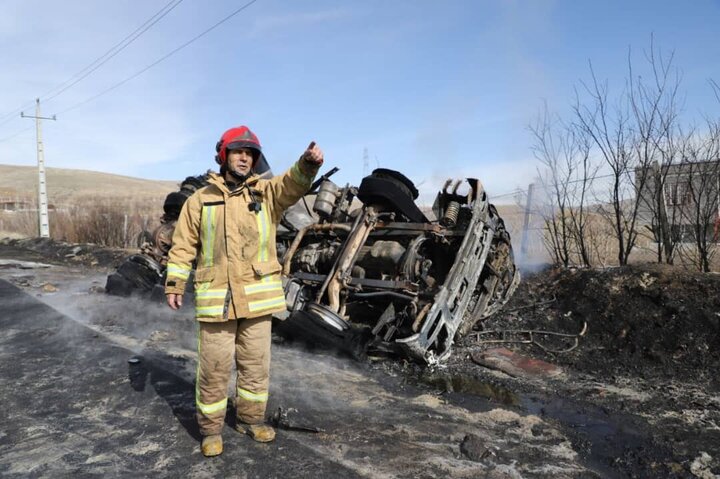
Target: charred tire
{"x": 174, "y": 203}
{"x": 193, "y": 183}
{"x": 139, "y": 271}
{"x": 393, "y": 191}
{"x": 326, "y": 318}
{"x": 398, "y": 179}
{"x": 314, "y": 332}
{"x": 118, "y": 285}
{"x": 148, "y": 263}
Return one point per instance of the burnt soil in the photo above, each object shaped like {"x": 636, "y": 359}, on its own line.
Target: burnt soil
{"x": 639, "y": 396}
{"x": 62, "y": 253}
{"x": 640, "y": 392}
{"x": 653, "y": 321}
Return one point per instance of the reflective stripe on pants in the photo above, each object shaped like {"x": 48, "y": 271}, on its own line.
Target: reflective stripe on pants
{"x": 247, "y": 341}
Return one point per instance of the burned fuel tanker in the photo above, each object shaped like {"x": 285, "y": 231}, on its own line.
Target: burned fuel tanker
{"x": 366, "y": 262}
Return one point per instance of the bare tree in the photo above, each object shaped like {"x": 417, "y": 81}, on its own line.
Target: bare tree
{"x": 565, "y": 174}
{"x": 608, "y": 128}
{"x": 664, "y": 218}
{"x": 696, "y": 192}
{"x": 587, "y": 171}
{"x": 655, "y": 112}
{"x": 630, "y": 135}
{"x": 715, "y": 88}
{"x": 551, "y": 149}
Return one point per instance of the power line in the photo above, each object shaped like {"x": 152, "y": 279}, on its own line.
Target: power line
{"x": 13, "y": 114}
{"x": 160, "y": 60}
{"x": 112, "y": 52}
{"x": 511, "y": 193}
{"x": 100, "y": 61}
{"x": 17, "y": 133}
{"x": 524, "y": 190}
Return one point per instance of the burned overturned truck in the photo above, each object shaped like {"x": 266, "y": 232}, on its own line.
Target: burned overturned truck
{"x": 366, "y": 262}
{"x": 414, "y": 283}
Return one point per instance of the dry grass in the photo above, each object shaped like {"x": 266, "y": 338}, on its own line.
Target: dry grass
{"x": 116, "y": 222}
{"x": 86, "y": 206}
{"x": 67, "y": 188}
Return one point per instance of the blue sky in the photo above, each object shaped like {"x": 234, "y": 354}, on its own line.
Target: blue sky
{"x": 433, "y": 89}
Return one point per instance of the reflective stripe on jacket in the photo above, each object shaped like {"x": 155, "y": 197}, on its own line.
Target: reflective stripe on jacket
{"x": 237, "y": 272}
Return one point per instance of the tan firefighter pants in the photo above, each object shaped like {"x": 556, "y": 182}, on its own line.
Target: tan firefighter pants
{"x": 248, "y": 342}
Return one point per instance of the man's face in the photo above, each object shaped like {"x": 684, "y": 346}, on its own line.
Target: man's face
{"x": 240, "y": 161}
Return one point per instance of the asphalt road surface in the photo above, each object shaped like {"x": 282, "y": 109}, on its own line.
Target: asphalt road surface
{"x": 74, "y": 406}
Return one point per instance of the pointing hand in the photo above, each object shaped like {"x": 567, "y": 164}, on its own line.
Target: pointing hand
{"x": 313, "y": 154}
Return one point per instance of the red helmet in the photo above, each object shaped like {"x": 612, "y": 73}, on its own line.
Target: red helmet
{"x": 234, "y": 138}
{"x": 241, "y": 137}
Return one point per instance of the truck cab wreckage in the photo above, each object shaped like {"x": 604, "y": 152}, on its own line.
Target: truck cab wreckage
{"x": 366, "y": 263}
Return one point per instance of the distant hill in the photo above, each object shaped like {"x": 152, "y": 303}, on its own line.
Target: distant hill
{"x": 66, "y": 186}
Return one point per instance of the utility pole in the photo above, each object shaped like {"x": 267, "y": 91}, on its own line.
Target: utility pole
{"x": 526, "y": 223}
{"x": 43, "y": 218}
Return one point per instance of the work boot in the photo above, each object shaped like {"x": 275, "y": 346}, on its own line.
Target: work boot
{"x": 259, "y": 432}
{"x": 212, "y": 445}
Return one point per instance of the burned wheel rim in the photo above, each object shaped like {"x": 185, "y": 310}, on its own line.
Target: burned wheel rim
{"x": 327, "y": 317}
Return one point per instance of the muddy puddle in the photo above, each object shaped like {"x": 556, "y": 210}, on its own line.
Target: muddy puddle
{"x": 610, "y": 443}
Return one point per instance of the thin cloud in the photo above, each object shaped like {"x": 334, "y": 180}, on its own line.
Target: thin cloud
{"x": 283, "y": 22}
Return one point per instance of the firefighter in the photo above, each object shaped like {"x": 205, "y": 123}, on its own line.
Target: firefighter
{"x": 228, "y": 228}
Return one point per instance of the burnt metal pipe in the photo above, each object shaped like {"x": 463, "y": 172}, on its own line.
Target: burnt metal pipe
{"x": 359, "y": 221}
{"x": 375, "y": 294}
{"x": 298, "y": 238}
{"x": 420, "y": 317}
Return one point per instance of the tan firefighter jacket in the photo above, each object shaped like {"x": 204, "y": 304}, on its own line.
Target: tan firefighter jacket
{"x": 237, "y": 273}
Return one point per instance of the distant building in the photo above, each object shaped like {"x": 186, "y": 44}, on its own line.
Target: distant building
{"x": 15, "y": 204}
{"x": 689, "y": 197}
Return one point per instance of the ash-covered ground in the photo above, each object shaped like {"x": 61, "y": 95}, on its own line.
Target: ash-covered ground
{"x": 638, "y": 396}
{"x": 641, "y": 388}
